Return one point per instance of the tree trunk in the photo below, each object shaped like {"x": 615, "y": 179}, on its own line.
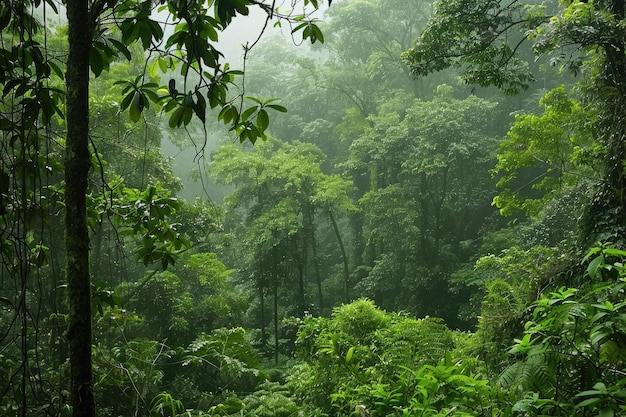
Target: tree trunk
{"x": 301, "y": 286}
{"x": 424, "y": 251}
{"x": 344, "y": 257}
{"x": 437, "y": 208}
{"x": 318, "y": 275}
{"x": 275, "y": 294}
{"x": 309, "y": 230}
{"x": 263, "y": 332}
{"x": 77, "y": 163}
{"x": 276, "y": 343}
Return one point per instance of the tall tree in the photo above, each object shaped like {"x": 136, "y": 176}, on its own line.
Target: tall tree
{"x": 484, "y": 38}
{"x": 99, "y": 33}
{"x": 428, "y": 198}
{"x": 284, "y": 194}
{"x": 77, "y": 164}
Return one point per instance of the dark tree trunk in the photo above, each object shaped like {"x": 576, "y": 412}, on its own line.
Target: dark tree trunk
{"x": 437, "y": 208}
{"x": 424, "y": 250}
{"x": 276, "y": 339}
{"x": 262, "y": 300}
{"x": 275, "y": 294}
{"x": 309, "y": 230}
{"x": 301, "y": 286}
{"x": 318, "y": 275}
{"x": 344, "y": 257}
{"x": 617, "y": 77}
{"x": 77, "y": 163}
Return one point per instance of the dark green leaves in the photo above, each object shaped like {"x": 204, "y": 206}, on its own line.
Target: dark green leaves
{"x": 140, "y": 27}
{"x": 310, "y": 31}
{"x": 194, "y": 38}
{"x": 137, "y": 97}
{"x": 182, "y": 107}
{"x": 104, "y": 51}
{"x": 192, "y": 48}
{"x": 252, "y": 123}
{"x": 225, "y": 10}
{"x": 145, "y": 215}
{"x": 577, "y": 333}
{"x": 5, "y": 16}
{"x": 479, "y": 38}
{"x": 181, "y": 116}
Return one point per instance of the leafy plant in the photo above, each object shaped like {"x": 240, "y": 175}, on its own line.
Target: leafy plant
{"x": 164, "y": 405}
{"x": 219, "y": 363}
{"x": 574, "y": 349}
{"x": 359, "y": 356}
{"x": 271, "y": 400}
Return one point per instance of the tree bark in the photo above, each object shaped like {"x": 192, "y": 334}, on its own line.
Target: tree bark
{"x": 318, "y": 275}
{"x": 309, "y": 236}
{"x": 275, "y": 294}
{"x": 344, "y": 257}
{"x": 263, "y": 332}
{"x": 77, "y": 163}
{"x": 276, "y": 340}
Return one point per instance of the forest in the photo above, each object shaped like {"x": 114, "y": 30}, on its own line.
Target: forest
{"x": 358, "y": 208}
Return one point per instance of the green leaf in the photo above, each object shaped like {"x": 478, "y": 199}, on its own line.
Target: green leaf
{"x": 300, "y": 26}
{"x": 262, "y": 119}
{"x": 277, "y": 107}
{"x": 607, "y": 412}
{"x": 96, "y": 61}
{"x": 121, "y": 48}
{"x": 128, "y": 98}
{"x": 6, "y": 124}
{"x": 155, "y": 30}
{"x": 57, "y": 70}
{"x": 175, "y": 118}
{"x": 5, "y": 17}
{"x": 349, "y": 354}
{"x": 130, "y": 31}
{"x": 256, "y": 100}
{"x": 153, "y": 96}
{"x": 199, "y": 107}
{"x": 163, "y": 65}
{"x": 592, "y": 268}
{"x": 317, "y": 34}
{"x": 153, "y": 68}
{"x": 136, "y": 107}
{"x": 248, "y": 112}
{"x": 187, "y": 115}
{"x": 172, "y": 88}
{"x": 589, "y": 402}
{"x": 145, "y": 33}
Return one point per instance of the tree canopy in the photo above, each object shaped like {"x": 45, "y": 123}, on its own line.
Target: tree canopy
{"x": 422, "y": 212}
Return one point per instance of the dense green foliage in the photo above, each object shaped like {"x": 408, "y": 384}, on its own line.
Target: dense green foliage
{"x": 430, "y": 222}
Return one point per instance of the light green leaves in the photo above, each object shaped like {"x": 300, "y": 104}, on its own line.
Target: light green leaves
{"x": 164, "y": 404}
{"x": 555, "y": 144}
